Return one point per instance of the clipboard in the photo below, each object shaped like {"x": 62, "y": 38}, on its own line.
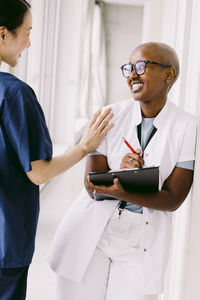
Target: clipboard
{"x": 139, "y": 180}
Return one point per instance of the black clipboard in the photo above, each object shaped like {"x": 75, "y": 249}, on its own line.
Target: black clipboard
{"x": 139, "y": 180}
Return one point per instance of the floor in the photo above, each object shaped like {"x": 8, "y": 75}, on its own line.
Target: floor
{"x": 56, "y": 197}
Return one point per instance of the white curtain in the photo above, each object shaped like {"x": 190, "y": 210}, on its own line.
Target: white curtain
{"x": 192, "y": 103}
{"x": 50, "y": 65}
{"x": 91, "y": 85}
{"x": 38, "y": 66}
{"x": 179, "y": 21}
{"x": 42, "y": 60}
{"x": 99, "y": 67}
{"x": 183, "y": 34}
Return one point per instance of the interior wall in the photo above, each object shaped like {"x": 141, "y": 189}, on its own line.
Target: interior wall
{"x": 153, "y": 20}
{"x": 123, "y": 27}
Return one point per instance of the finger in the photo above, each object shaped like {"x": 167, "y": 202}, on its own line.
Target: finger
{"x": 103, "y": 117}
{"x": 95, "y": 117}
{"x": 141, "y": 161}
{"x": 137, "y": 164}
{"x": 107, "y": 128}
{"x": 134, "y": 161}
{"x": 127, "y": 166}
{"x": 132, "y": 156}
{"x": 116, "y": 182}
{"x": 122, "y": 164}
{"x": 139, "y": 151}
{"x": 134, "y": 164}
{"x": 90, "y": 185}
{"x": 135, "y": 155}
{"x": 104, "y": 123}
{"x": 93, "y": 187}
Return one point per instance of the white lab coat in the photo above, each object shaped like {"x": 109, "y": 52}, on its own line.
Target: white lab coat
{"x": 82, "y": 227}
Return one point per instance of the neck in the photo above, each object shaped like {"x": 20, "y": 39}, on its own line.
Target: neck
{"x": 151, "y": 110}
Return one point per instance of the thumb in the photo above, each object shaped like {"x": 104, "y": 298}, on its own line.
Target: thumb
{"x": 139, "y": 151}
{"x": 116, "y": 180}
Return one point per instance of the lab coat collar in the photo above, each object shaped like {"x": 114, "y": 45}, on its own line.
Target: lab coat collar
{"x": 158, "y": 119}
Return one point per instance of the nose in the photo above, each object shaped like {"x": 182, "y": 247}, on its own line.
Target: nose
{"x": 133, "y": 74}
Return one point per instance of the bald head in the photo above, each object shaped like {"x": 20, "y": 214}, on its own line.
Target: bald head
{"x": 160, "y": 53}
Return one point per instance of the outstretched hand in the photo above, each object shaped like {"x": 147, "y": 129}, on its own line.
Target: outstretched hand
{"x": 96, "y": 130}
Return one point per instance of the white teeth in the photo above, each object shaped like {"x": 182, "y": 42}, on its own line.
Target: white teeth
{"x": 136, "y": 86}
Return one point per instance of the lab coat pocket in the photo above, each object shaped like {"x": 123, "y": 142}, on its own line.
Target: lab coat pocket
{"x": 125, "y": 229}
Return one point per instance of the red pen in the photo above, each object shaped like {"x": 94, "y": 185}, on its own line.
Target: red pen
{"x": 125, "y": 141}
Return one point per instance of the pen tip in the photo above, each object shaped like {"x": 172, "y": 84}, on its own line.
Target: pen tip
{"x": 123, "y": 138}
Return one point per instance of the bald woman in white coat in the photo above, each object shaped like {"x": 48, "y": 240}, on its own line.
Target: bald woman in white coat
{"x": 98, "y": 254}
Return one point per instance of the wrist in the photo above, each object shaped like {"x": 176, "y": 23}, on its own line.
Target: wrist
{"x": 84, "y": 149}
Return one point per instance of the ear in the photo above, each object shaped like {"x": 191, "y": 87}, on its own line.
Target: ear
{"x": 2, "y": 34}
{"x": 170, "y": 75}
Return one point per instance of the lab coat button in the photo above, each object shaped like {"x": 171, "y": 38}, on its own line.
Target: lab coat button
{"x": 147, "y": 222}
{"x": 146, "y": 154}
{"x": 145, "y": 250}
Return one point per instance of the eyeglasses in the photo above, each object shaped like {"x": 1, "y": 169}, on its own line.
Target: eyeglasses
{"x": 140, "y": 67}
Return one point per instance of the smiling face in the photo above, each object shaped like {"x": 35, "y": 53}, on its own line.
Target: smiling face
{"x": 13, "y": 44}
{"x": 154, "y": 84}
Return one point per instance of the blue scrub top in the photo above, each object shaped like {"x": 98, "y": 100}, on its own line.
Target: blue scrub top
{"x": 24, "y": 137}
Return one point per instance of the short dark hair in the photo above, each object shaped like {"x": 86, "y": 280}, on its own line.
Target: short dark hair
{"x": 12, "y": 13}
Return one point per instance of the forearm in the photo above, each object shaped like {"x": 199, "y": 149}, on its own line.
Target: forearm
{"x": 95, "y": 163}
{"x": 162, "y": 200}
{"x": 43, "y": 170}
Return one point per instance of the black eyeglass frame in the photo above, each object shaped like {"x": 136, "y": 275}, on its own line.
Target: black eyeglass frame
{"x": 146, "y": 62}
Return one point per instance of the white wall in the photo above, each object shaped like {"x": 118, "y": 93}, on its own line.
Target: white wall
{"x": 123, "y": 26}
{"x": 153, "y": 20}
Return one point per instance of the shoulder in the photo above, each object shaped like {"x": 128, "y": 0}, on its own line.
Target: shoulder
{"x": 123, "y": 104}
{"x": 180, "y": 122}
{"x": 122, "y": 107}
{"x": 13, "y": 90}
{"x": 180, "y": 116}
{"x": 10, "y": 86}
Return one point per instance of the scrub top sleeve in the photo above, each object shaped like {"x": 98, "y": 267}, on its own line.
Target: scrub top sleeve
{"x": 187, "y": 152}
{"x": 25, "y": 128}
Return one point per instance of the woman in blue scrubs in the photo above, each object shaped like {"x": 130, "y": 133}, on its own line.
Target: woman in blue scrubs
{"x": 26, "y": 153}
